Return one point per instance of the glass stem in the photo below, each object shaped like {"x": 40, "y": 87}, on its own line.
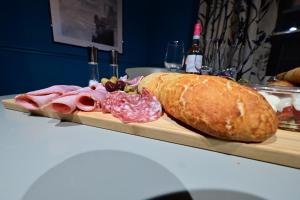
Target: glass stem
{"x": 115, "y": 70}
{"x": 94, "y": 73}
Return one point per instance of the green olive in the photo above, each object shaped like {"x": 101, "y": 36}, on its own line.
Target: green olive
{"x": 113, "y": 79}
{"x": 129, "y": 88}
{"x": 132, "y": 92}
{"x": 104, "y": 81}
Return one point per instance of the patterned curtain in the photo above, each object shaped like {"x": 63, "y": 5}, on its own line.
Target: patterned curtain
{"x": 236, "y": 35}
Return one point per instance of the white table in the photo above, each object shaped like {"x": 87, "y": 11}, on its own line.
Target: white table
{"x": 43, "y": 158}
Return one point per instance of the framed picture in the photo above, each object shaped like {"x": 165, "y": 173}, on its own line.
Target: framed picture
{"x": 88, "y": 23}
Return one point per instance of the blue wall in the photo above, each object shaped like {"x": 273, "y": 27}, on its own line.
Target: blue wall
{"x": 29, "y": 59}
{"x": 169, "y": 20}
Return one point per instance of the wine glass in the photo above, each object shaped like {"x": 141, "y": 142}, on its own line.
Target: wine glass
{"x": 205, "y": 62}
{"x": 174, "y": 57}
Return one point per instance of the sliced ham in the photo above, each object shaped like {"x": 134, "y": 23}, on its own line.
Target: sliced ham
{"x": 98, "y": 86}
{"x": 66, "y": 103}
{"x": 135, "y": 81}
{"x": 36, "y": 99}
{"x": 132, "y": 107}
{"x": 91, "y": 100}
{"x": 86, "y": 99}
{"x": 31, "y": 102}
{"x": 57, "y": 89}
{"x": 132, "y": 82}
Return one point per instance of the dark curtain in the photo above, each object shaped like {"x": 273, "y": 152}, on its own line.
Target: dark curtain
{"x": 236, "y": 36}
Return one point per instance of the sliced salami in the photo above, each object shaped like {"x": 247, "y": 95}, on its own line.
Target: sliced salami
{"x": 132, "y": 107}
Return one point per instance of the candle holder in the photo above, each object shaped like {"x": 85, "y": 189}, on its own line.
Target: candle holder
{"x": 114, "y": 63}
{"x": 93, "y": 66}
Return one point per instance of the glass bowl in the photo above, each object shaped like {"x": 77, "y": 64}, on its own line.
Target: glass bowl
{"x": 286, "y": 102}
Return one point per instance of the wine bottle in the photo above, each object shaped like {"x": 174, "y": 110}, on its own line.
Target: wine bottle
{"x": 193, "y": 60}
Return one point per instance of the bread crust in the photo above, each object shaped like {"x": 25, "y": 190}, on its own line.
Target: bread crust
{"x": 281, "y": 83}
{"x": 292, "y": 76}
{"x": 216, "y": 106}
{"x": 280, "y": 76}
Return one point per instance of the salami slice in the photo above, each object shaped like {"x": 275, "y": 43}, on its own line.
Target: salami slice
{"x": 132, "y": 107}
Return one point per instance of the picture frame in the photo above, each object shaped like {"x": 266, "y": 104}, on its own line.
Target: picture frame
{"x": 88, "y": 23}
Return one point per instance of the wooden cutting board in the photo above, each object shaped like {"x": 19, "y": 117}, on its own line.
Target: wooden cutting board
{"x": 283, "y": 148}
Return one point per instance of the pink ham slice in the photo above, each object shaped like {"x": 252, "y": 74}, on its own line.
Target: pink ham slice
{"x": 132, "y": 82}
{"x": 85, "y": 99}
{"x": 31, "y": 102}
{"x": 58, "y": 89}
{"x": 132, "y": 107}
{"x": 91, "y": 100}
{"x": 36, "y": 99}
{"x": 135, "y": 81}
{"x": 65, "y": 103}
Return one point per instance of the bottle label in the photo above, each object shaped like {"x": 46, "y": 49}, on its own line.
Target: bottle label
{"x": 193, "y": 62}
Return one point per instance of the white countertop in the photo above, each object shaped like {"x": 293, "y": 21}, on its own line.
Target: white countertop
{"x": 43, "y": 158}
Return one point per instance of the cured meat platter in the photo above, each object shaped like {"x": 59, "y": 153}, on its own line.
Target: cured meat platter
{"x": 283, "y": 148}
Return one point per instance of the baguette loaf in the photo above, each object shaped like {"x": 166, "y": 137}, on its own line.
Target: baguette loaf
{"x": 281, "y": 76}
{"x": 281, "y": 83}
{"x": 292, "y": 76}
{"x": 216, "y": 106}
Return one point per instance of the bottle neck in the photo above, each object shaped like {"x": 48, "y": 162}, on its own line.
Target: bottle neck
{"x": 196, "y": 39}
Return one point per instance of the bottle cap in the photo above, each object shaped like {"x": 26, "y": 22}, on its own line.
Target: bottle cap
{"x": 197, "y": 28}
{"x": 92, "y": 51}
